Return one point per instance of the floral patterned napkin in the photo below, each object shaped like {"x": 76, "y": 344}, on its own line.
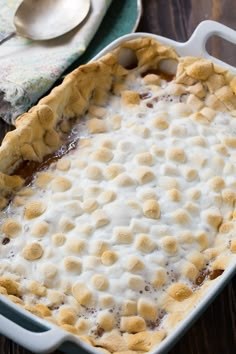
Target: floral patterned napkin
{"x": 28, "y": 68}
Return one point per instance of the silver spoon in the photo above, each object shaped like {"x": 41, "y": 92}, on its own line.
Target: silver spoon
{"x": 47, "y": 19}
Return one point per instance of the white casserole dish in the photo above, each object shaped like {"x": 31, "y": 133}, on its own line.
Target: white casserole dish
{"x": 38, "y": 335}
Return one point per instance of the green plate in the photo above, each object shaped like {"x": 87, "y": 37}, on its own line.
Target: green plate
{"x": 121, "y": 18}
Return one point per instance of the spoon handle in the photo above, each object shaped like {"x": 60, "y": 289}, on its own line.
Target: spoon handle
{"x": 5, "y": 36}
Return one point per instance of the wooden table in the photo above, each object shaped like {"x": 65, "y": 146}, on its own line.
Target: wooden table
{"x": 215, "y": 331}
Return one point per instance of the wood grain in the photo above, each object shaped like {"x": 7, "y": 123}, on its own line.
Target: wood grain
{"x": 215, "y": 331}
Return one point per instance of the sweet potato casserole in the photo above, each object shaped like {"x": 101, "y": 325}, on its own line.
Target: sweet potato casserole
{"x": 118, "y": 197}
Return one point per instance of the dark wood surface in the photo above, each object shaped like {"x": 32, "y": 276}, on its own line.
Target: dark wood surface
{"x": 215, "y": 331}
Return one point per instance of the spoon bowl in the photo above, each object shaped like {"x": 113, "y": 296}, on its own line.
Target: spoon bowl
{"x": 48, "y": 19}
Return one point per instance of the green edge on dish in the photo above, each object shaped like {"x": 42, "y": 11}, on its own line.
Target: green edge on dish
{"x": 120, "y": 19}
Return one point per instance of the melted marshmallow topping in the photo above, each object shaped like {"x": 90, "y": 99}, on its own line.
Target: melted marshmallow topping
{"x": 106, "y": 234}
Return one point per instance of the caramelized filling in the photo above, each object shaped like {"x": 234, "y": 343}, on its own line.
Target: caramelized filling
{"x": 145, "y": 95}
{"x": 98, "y": 332}
{"x": 207, "y": 274}
{"x": 27, "y": 169}
{"x": 5, "y": 241}
{"x": 216, "y": 273}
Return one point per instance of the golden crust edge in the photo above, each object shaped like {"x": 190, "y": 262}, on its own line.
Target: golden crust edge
{"x": 69, "y": 99}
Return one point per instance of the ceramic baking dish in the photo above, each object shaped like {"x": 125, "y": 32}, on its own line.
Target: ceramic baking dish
{"x": 36, "y": 334}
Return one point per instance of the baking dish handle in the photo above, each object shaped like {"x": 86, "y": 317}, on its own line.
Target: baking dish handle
{"x": 43, "y": 342}
{"x": 196, "y": 45}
